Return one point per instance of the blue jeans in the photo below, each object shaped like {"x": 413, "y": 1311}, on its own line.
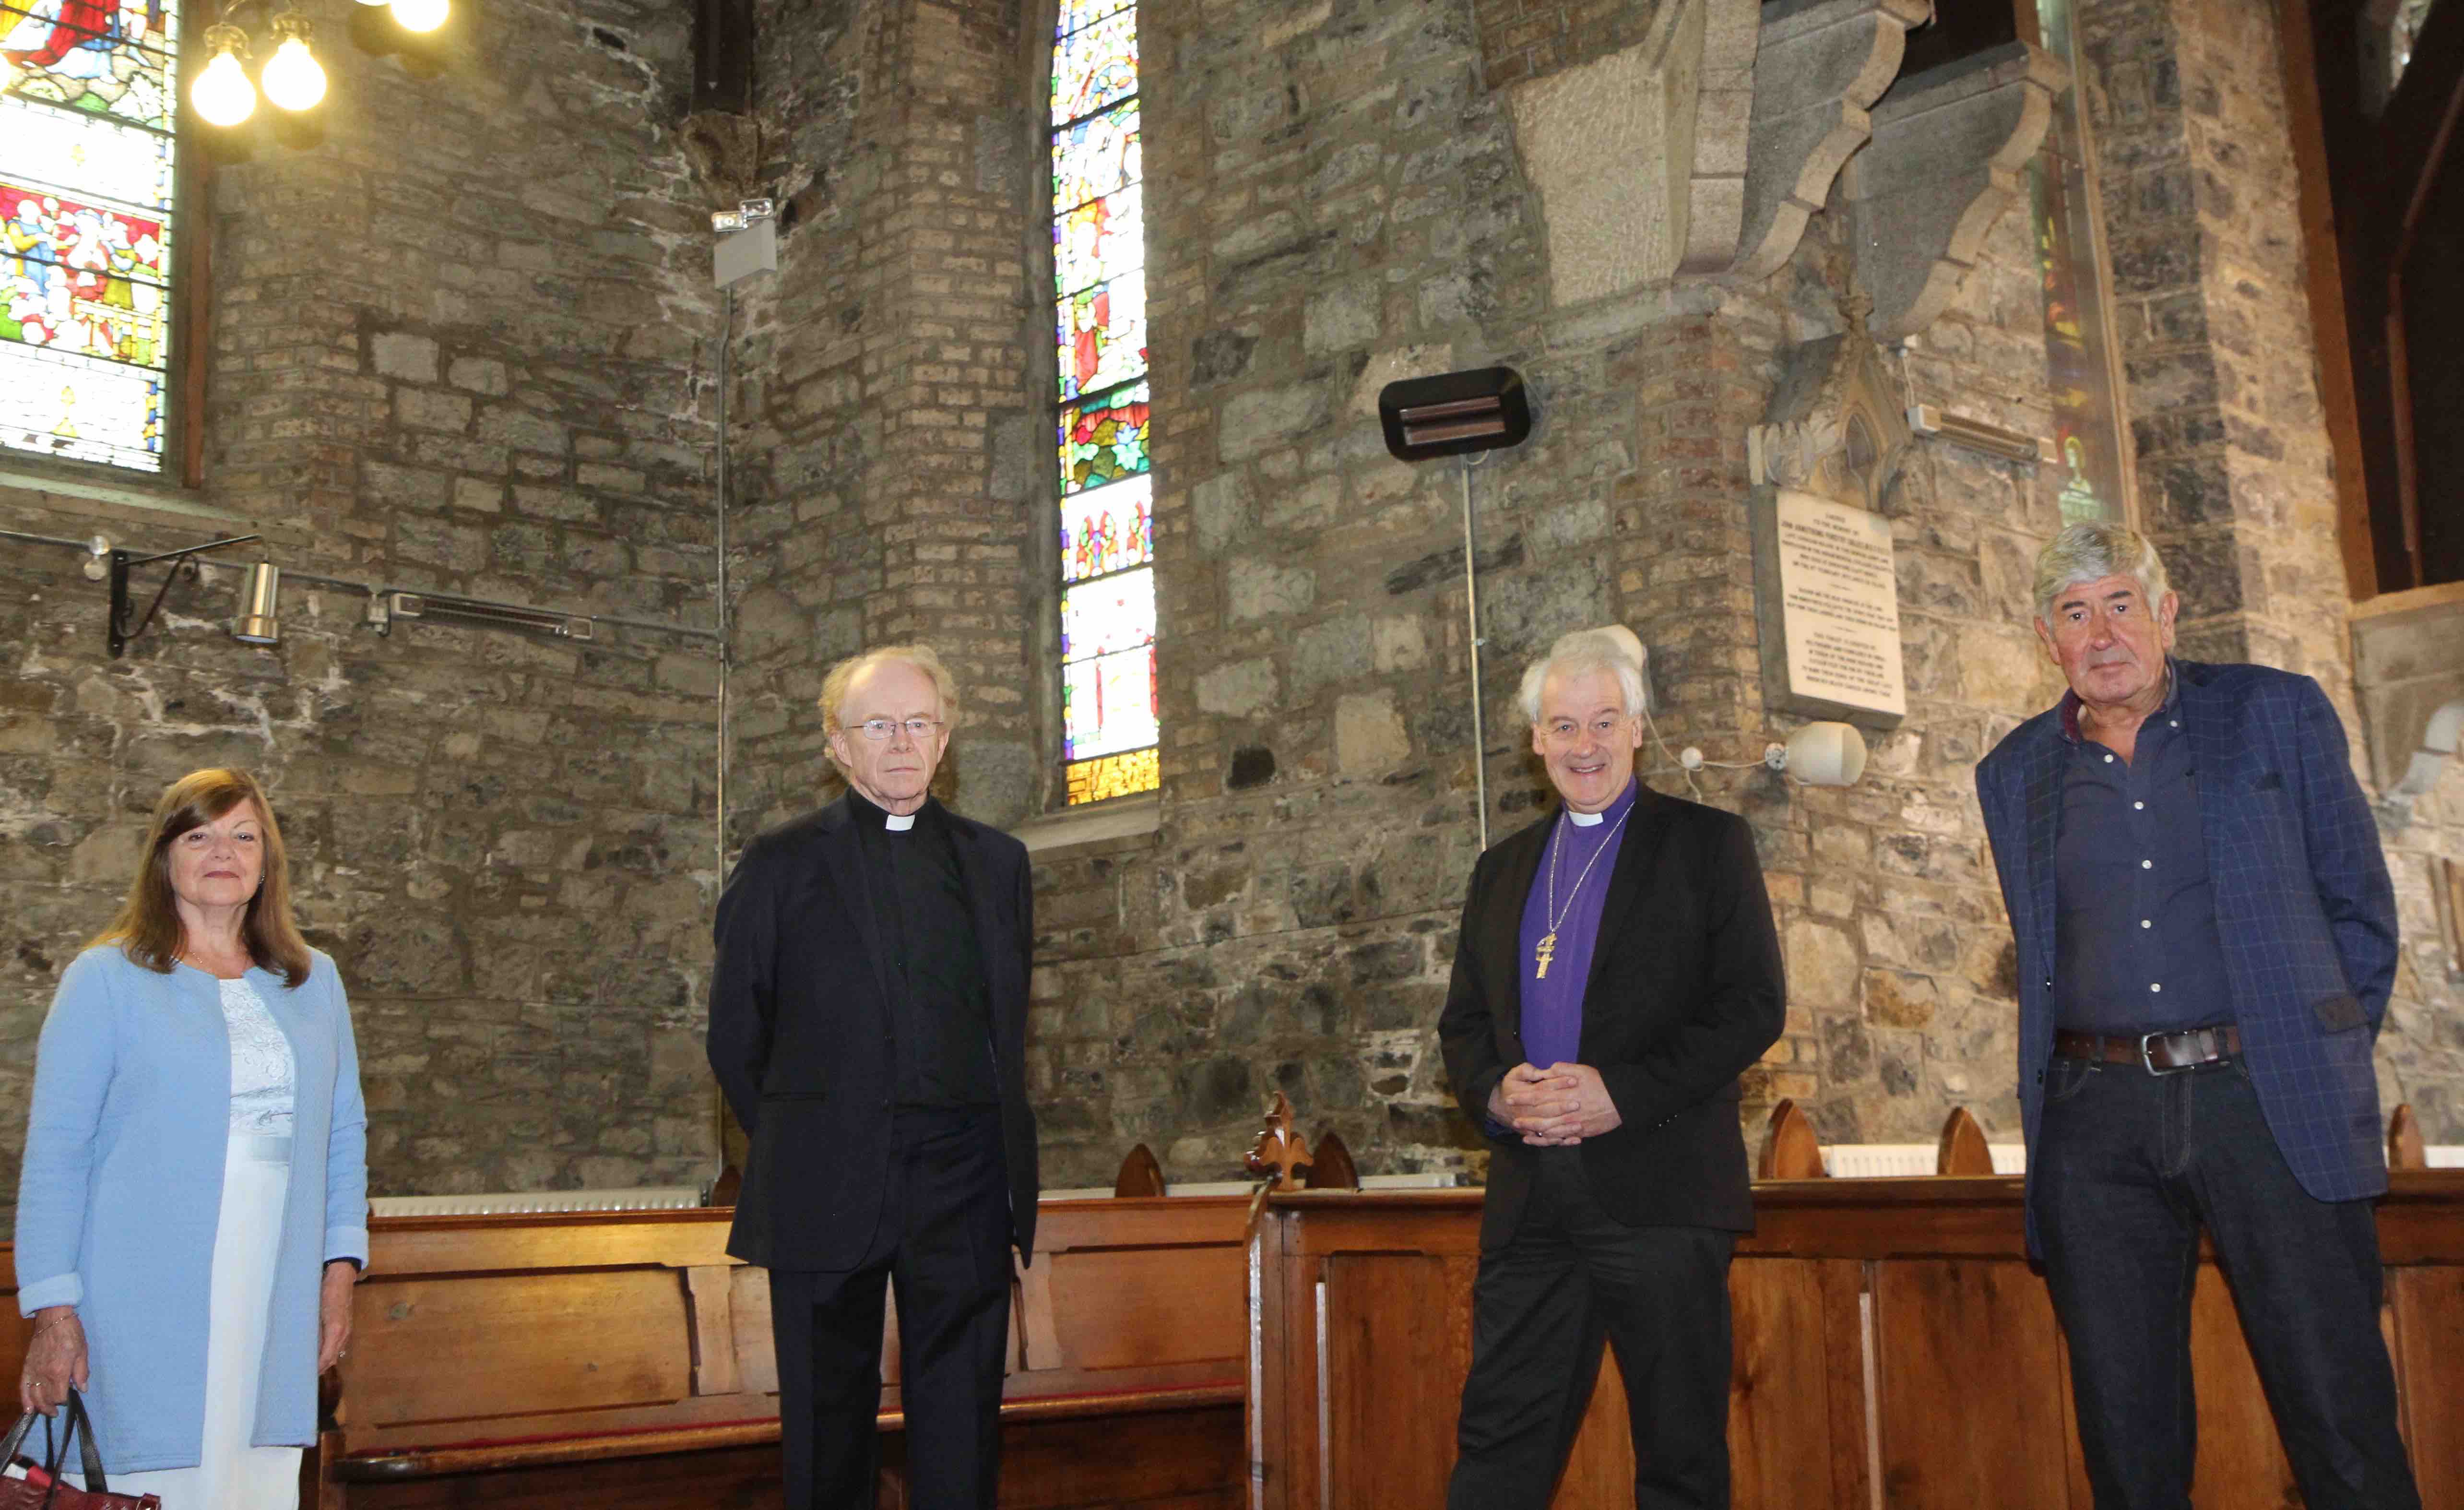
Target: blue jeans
{"x": 2128, "y": 1167}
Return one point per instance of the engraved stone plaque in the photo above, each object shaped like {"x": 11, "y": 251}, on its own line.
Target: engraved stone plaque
{"x": 1830, "y": 610}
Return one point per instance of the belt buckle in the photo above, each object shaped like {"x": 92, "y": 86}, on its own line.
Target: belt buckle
{"x": 2148, "y": 1059}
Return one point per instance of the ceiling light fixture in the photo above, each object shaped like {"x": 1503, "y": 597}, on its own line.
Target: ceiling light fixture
{"x": 292, "y": 76}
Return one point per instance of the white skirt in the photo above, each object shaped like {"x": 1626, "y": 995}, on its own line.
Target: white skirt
{"x": 230, "y": 1475}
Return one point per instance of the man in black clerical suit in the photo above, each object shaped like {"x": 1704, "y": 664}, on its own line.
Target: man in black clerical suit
{"x": 1615, "y": 971}
{"x": 868, "y": 1022}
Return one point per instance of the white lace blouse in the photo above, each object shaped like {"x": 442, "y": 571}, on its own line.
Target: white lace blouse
{"x": 260, "y": 1057}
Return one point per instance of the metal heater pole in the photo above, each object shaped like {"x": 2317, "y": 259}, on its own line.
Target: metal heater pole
{"x": 1471, "y": 629}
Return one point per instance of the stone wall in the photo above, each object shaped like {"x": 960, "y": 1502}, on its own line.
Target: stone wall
{"x": 461, "y": 341}
{"x": 467, "y": 342}
{"x": 1347, "y": 201}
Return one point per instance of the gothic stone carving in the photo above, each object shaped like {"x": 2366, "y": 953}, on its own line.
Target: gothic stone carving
{"x": 1820, "y": 64}
{"x": 1948, "y": 148}
{"x": 1834, "y": 427}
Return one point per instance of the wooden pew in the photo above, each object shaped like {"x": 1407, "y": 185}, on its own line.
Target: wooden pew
{"x": 622, "y": 1361}
{"x": 1892, "y": 1347}
{"x": 545, "y": 1360}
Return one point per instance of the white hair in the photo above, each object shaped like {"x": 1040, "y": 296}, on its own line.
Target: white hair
{"x": 1612, "y": 648}
{"x": 2091, "y": 552}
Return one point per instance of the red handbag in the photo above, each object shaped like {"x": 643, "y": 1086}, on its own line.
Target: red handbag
{"x": 41, "y": 1488}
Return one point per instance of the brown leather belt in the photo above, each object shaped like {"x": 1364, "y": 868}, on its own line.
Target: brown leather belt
{"x": 2158, "y": 1052}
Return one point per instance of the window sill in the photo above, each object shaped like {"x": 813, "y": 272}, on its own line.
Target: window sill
{"x": 1121, "y": 822}
{"x": 28, "y": 487}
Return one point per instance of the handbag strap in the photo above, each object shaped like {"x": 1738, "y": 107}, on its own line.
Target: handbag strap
{"x": 16, "y": 1437}
{"x": 91, "y": 1456}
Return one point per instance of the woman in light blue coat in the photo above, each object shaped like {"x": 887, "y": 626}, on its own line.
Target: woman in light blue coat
{"x": 193, "y": 1207}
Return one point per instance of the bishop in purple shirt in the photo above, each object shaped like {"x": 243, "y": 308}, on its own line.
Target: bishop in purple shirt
{"x": 1615, "y": 971}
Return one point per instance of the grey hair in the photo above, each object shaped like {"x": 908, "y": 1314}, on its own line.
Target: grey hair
{"x": 1613, "y": 648}
{"x": 2089, "y": 552}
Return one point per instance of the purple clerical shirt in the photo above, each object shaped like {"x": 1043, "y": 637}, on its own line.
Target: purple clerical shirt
{"x": 1553, "y": 1006}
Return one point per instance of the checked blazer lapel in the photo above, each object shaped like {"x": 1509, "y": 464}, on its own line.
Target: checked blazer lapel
{"x": 839, "y": 846}
{"x": 2040, "y": 801}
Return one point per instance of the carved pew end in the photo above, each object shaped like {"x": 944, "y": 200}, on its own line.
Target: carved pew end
{"x": 1791, "y": 1151}
{"x": 1140, "y": 1174}
{"x": 1962, "y": 1150}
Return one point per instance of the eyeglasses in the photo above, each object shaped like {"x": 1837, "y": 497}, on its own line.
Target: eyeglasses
{"x": 882, "y": 728}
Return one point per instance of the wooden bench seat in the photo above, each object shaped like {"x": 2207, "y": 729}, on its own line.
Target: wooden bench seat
{"x": 495, "y": 1351}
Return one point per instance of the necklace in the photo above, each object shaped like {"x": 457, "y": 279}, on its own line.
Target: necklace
{"x": 1546, "y": 949}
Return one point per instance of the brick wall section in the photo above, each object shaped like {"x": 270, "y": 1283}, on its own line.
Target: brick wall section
{"x": 896, "y": 447}
{"x": 460, "y": 344}
{"x": 2198, "y": 182}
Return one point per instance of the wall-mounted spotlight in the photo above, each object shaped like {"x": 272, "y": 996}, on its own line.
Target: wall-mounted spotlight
{"x": 1816, "y": 755}
{"x": 1820, "y": 755}
{"x": 259, "y": 599}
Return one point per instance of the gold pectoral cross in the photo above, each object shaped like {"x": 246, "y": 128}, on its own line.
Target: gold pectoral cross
{"x": 1542, "y": 952}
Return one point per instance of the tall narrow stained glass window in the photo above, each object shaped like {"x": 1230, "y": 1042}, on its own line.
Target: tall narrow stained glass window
{"x": 1107, "y": 609}
{"x": 88, "y": 108}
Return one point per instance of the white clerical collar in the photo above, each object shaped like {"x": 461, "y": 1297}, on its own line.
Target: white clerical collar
{"x": 1582, "y": 820}
{"x": 901, "y": 822}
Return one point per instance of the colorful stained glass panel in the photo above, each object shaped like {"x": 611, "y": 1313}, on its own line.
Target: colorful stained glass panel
{"x": 82, "y": 279}
{"x": 1095, "y": 68}
{"x": 1078, "y": 15}
{"x": 1097, "y": 157}
{"x": 92, "y": 158}
{"x": 1113, "y": 613}
{"x": 1107, "y": 705}
{"x": 1103, "y": 440}
{"x": 101, "y": 56}
{"x": 1102, "y": 335}
{"x": 1106, "y": 529}
{"x": 1097, "y": 242}
{"x": 57, "y": 404}
{"x": 1114, "y": 776}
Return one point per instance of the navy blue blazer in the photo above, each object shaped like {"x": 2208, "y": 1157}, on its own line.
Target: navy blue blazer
{"x": 2303, "y": 904}
{"x": 802, "y": 1032}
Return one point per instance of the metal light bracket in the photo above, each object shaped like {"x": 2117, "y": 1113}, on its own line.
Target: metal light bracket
{"x": 119, "y": 633}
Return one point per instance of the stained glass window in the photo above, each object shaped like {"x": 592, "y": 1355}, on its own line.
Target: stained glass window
{"x": 1108, "y": 608}
{"x": 87, "y": 111}
{"x": 2077, "y": 331}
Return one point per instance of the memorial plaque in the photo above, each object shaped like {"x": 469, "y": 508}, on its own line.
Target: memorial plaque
{"x": 1830, "y": 610}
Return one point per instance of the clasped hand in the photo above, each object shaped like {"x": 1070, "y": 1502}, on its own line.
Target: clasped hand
{"x": 1555, "y": 1107}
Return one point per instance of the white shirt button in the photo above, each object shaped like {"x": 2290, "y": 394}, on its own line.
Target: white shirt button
{"x": 2147, "y": 922}
{"x": 2147, "y": 865}
{"x": 2108, "y": 760}
{"x": 2155, "y": 985}
{"x": 2135, "y": 806}
{"x": 2175, "y": 722}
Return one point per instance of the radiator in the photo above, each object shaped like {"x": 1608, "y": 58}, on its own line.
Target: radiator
{"x": 495, "y": 1203}
{"x": 1877, "y": 1161}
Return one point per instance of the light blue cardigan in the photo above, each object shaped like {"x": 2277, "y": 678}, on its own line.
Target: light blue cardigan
{"x": 122, "y": 1188}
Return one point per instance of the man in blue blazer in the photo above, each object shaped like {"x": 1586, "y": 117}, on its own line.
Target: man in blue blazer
{"x": 2205, "y": 940}
{"x": 867, "y": 1023}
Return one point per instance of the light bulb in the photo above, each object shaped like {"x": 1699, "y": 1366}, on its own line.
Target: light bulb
{"x": 421, "y": 15}
{"x": 292, "y": 78}
{"x": 222, "y": 94}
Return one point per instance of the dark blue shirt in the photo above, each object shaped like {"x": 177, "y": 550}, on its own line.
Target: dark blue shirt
{"x": 2135, "y": 942}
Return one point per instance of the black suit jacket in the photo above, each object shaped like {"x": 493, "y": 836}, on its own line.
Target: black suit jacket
{"x": 801, "y": 1033}
{"x": 1686, "y": 993}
